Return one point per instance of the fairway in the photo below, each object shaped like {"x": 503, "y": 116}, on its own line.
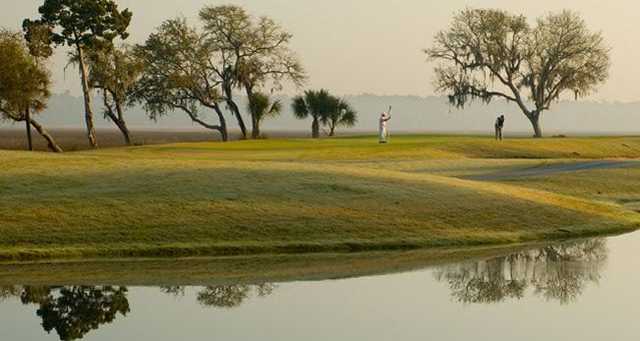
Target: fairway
{"x": 301, "y": 196}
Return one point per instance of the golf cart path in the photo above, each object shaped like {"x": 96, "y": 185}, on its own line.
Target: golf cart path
{"x": 555, "y": 169}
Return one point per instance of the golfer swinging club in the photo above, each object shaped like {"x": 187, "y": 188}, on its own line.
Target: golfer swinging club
{"x": 384, "y": 118}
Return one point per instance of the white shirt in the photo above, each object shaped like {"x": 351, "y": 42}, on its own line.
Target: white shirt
{"x": 383, "y": 120}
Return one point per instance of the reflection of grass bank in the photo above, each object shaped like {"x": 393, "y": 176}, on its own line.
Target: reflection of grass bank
{"x": 243, "y": 269}
{"x": 291, "y": 196}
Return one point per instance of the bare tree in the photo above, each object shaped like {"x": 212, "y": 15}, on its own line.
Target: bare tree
{"x": 487, "y": 54}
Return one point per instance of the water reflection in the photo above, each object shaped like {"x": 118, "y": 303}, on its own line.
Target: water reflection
{"x": 72, "y": 311}
{"x": 559, "y": 272}
{"x": 225, "y": 296}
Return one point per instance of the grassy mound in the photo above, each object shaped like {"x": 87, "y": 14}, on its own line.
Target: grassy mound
{"x": 291, "y": 196}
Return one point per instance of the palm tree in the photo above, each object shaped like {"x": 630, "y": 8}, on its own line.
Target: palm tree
{"x": 342, "y": 114}
{"x": 314, "y": 104}
{"x": 261, "y": 106}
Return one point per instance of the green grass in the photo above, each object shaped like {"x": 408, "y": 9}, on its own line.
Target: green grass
{"x": 298, "y": 196}
{"x": 616, "y": 186}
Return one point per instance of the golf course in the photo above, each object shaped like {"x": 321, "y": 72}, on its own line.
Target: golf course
{"x": 295, "y": 196}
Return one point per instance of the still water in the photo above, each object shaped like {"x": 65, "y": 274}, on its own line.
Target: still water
{"x": 584, "y": 290}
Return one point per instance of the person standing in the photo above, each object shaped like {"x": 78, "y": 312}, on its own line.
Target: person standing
{"x": 499, "y": 127}
{"x": 384, "y": 132}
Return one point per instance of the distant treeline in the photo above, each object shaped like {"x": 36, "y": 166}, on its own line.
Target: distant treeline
{"x": 414, "y": 113}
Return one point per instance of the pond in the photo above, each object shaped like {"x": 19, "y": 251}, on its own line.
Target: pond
{"x": 579, "y": 290}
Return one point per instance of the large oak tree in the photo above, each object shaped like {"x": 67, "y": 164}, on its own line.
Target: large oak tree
{"x": 489, "y": 54}
{"x": 180, "y": 73}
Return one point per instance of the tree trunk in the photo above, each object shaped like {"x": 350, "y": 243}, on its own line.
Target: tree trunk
{"x": 222, "y": 128}
{"x": 228, "y": 93}
{"x": 535, "y": 122}
{"x": 121, "y": 123}
{"x": 86, "y": 91}
{"x": 255, "y": 132}
{"x": 53, "y": 146}
{"x": 332, "y": 131}
{"x": 236, "y": 112}
{"x": 255, "y": 120}
{"x": 243, "y": 127}
{"x": 27, "y": 115}
{"x": 223, "y": 124}
{"x": 225, "y": 135}
{"x": 315, "y": 128}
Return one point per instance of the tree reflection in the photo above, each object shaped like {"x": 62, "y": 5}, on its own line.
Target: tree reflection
{"x": 73, "y": 311}
{"x": 559, "y": 272}
{"x": 231, "y": 296}
{"x": 176, "y": 291}
{"x": 7, "y": 292}
{"x": 224, "y": 296}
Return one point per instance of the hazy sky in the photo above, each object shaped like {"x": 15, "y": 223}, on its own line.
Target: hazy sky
{"x": 374, "y": 46}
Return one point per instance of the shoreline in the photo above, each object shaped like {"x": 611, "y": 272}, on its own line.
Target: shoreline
{"x": 48, "y": 255}
{"x": 252, "y": 269}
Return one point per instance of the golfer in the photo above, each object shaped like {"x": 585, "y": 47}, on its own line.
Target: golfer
{"x": 384, "y": 118}
{"x": 499, "y": 127}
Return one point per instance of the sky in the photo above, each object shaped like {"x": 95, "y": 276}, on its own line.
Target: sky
{"x": 374, "y": 46}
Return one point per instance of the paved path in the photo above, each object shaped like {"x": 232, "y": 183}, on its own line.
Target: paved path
{"x": 554, "y": 169}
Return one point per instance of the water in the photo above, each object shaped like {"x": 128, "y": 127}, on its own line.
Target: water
{"x": 585, "y": 290}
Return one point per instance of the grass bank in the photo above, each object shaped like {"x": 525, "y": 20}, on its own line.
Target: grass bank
{"x": 298, "y": 196}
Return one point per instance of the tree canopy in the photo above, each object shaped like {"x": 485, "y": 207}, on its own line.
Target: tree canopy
{"x": 325, "y": 109}
{"x": 314, "y": 104}
{"x": 83, "y": 22}
{"x": 254, "y": 54}
{"x": 75, "y": 311}
{"x": 24, "y": 84}
{"x": 262, "y": 106}
{"x": 341, "y": 114}
{"x": 116, "y": 71}
{"x": 84, "y": 25}
{"x": 180, "y": 74}
{"x": 487, "y": 54}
